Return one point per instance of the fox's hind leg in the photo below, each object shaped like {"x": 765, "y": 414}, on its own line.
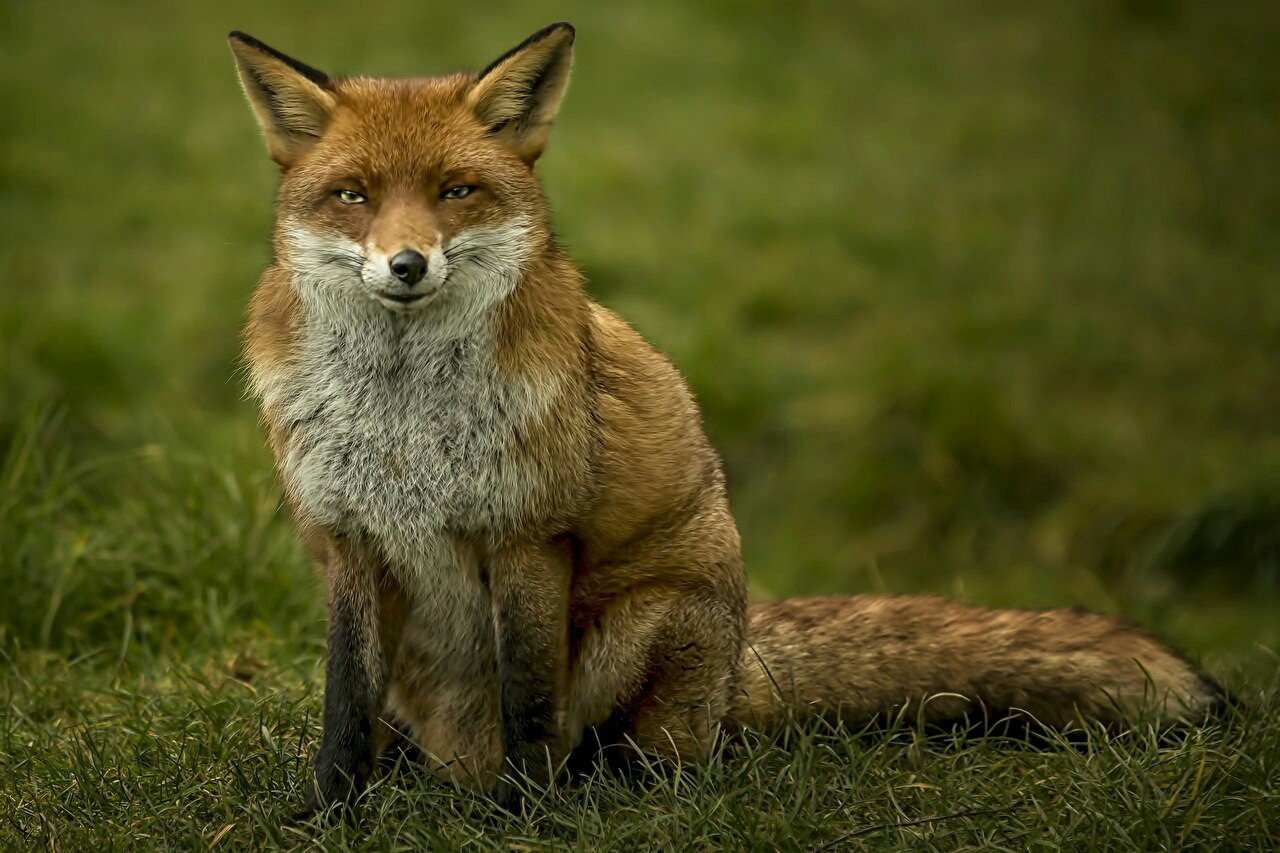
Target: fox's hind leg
{"x": 691, "y": 665}
{"x": 655, "y": 675}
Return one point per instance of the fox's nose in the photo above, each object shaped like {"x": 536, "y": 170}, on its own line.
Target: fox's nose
{"x": 409, "y": 266}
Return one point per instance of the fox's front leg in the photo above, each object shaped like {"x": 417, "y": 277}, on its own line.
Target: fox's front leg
{"x": 530, "y": 592}
{"x": 365, "y": 621}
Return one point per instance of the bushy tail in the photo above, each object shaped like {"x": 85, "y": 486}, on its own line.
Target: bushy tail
{"x": 861, "y": 657}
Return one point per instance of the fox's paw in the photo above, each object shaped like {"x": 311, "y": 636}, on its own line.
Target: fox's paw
{"x": 316, "y": 817}
{"x": 509, "y": 797}
{"x": 524, "y": 779}
{"x": 305, "y": 817}
{"x": 326, "y": 802}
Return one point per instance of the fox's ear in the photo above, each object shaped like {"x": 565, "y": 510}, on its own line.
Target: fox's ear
{"x": 293, "y": 102}
{"x": 518, "y": 95}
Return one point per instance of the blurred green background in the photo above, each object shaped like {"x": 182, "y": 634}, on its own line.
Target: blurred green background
{"x": 978, "y": 298}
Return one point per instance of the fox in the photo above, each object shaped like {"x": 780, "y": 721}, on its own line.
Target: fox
{"x": 523, "y": 530}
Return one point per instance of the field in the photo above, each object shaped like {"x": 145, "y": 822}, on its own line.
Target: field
{"x": 979, "y": 299}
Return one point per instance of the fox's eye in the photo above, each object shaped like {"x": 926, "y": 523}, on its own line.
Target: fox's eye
{"x": 350, "y": 197}
{"x": 460, "y": 191}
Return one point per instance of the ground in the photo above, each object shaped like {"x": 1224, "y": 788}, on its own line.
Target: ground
{"x": 978, "y": 300}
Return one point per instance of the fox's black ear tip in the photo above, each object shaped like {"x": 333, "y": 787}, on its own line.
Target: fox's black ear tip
{"x": 554, "y": 29}
{"x": 240, "y": 37}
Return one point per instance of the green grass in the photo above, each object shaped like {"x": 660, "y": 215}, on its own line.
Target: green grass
{"x": 979, "y": 300}
{"x": 213, "y": 756}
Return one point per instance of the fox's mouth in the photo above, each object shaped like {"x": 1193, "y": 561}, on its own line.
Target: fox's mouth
{"x": 402, "y": 300}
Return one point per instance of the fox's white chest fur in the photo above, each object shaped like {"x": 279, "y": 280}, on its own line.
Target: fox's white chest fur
{"x": 404, "y": 433}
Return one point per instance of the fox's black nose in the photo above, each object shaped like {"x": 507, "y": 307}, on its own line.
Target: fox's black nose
{"x": 409, "y": 266}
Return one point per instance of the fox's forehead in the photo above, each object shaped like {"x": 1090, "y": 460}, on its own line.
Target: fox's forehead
{"x": 402, "y": 129}
{"x": 376, "y": 97}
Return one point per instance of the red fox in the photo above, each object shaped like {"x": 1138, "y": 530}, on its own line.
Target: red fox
{"x": 523, "y": 529}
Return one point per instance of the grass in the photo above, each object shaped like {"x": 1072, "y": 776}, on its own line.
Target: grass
{"x": 978, "y": 302}
{"x": 212, "y": 757}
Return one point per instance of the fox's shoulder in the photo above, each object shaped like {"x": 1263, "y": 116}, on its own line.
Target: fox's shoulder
{"x": 624, "y": 355}
{"x": 272, "y": 330}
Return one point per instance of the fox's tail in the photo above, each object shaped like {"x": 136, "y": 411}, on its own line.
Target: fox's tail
{"x": 856, "y": 659}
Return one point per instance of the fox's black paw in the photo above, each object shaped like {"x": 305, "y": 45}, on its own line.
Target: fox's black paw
{"x": 301, "y": 818}
{"x": 509, "y": 797}
{"x": 315, "y": 817}
{"x": 322, "y": 810}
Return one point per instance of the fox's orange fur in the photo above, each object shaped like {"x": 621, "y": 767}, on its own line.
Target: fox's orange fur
{"x": 524, "y": 530}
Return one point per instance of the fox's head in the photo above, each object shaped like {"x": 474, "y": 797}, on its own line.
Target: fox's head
{"x": 399, "y": 193}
